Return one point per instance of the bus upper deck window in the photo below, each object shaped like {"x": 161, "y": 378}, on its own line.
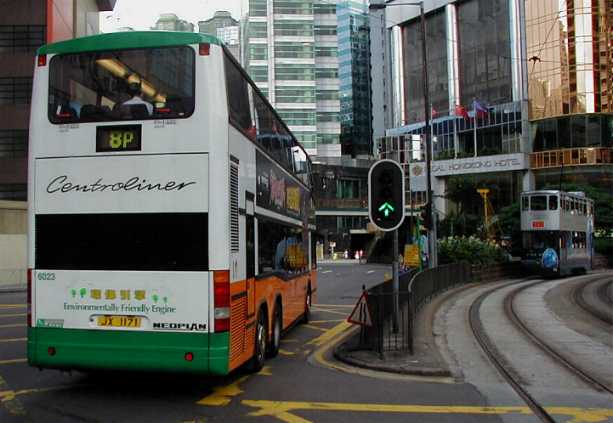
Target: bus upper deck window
{"x": 553, "y": 202}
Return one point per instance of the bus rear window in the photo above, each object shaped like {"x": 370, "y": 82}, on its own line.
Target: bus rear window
{"x": 139, "y": 84}
{"x": 131, "y": 241}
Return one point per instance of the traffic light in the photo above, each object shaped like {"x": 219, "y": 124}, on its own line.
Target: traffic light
{"x": 426, "y": 216}
{"x": 386, "y": 195}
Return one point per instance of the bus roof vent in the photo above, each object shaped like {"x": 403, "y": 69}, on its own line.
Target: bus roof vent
{"x": 234, "y": 229}
{"x": 578, "y": 193}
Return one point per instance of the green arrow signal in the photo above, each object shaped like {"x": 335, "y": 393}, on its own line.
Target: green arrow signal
{"x": 386, "y": 208}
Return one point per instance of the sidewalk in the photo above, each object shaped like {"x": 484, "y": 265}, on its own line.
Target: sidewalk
{"x": 339, "y": 261}
{"x": 426, "y": 360}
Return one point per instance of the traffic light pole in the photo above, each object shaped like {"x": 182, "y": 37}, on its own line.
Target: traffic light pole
{"x": 432, "y": 247}
{"x": 395, "y": 281}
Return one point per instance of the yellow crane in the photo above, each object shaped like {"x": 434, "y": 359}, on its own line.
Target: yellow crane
{"x": 488, "y": 211}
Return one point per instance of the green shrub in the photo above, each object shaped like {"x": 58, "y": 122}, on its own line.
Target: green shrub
{"x": 604, "y": 246}
{"x": 469, "y": 249}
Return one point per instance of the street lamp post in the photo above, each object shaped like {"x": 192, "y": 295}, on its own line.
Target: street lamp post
{"x": 432, "y": 247}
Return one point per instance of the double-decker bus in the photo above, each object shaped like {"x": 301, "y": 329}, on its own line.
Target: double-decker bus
{"x": 170, "y": 210}
{"x": 557, "y": 231}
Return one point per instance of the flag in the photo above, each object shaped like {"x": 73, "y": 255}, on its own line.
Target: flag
{"x": 433, "y": 112}
{"x": 480, "y": 110}
{"x": 461, "y": 111}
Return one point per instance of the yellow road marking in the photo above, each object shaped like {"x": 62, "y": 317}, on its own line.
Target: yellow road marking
{"x": 7, "y": 399}
{"x": 13, "y": 315}
{"x": 13, "y": 325}
{"x": 14, "y": 361}
{"x": 320, "y": 357}
{"x": 317, "y": 322}
{"x": 265, "y": 371}
{"x": 315, "y": 327}
{"x": 12, "y": 305}
{"x": 282, "y": 409}
{"x": 222, "y": 395}
{"x": 340, "y": 313}
{"x": 330, "y": 334}
{"x": 285, "y": 352}
{"x": 14, "y": 340}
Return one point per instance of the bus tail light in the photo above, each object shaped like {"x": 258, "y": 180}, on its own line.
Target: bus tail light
{"x": 42, "y": 60}
{"x": 29, "y": 304}
{"x": 204, "y": 49}
{"x": 221, "y": 288}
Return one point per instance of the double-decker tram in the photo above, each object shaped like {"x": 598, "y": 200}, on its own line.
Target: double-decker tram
{"x": 557, "y": 231}
{"x": 170, "y": 214}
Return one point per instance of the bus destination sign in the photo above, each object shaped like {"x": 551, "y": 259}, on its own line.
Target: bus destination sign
{"x": 118, "y": 138}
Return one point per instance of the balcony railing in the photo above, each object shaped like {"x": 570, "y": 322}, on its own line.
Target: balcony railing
{"x": 571, "y": 157}
{"x": 341, "y": 203}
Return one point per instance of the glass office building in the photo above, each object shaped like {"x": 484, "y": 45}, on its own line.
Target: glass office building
{"x": 539, "y": 71}
{"x": 291, "y": 52}
{"x": 354, "y": 75}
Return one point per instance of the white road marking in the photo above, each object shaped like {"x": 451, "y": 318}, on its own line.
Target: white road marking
{"x": 370, "y": 271}
{"x": 327, "y": 271}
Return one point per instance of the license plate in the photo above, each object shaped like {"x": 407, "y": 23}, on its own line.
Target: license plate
{"x": 119, "y": 321}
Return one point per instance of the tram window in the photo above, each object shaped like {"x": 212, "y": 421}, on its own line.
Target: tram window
{"x": 538, "y": 202}
{"x": 566, "y": 204}
{"x": 525, "y": 203}
{"x": 553, "y": 202}
{"x": 579, "y": 240}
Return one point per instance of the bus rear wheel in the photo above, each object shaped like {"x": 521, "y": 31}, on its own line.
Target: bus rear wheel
{"x": 307, "y": 306}
{"x": 275, "y": 341}
{"x": 259, "y": 352}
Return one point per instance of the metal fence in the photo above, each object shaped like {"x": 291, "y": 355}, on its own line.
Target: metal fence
{"x": 416, "y": 290}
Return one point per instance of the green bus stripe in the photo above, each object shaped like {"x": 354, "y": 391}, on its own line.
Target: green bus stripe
{"x": 129, "y": 350}
{"x": 126, "y": 40}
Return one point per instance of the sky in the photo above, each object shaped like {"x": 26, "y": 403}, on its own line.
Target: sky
{"x": 142, "y": 14}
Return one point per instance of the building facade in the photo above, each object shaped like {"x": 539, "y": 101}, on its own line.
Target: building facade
{"x": 354, "y": 77}
{"x": 291, "y": 52}
{"x": 226, "y": 28}
{"x": 24, "y": 27}
{"x": 520, "y": 95}
{"x": 171, "y": 22}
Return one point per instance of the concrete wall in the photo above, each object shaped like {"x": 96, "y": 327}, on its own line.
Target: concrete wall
{"x": 13, "y": 242}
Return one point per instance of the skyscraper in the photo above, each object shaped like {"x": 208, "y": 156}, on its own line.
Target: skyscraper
{"x": 354, "y": 75}
{"x": 171, "y": 22}
{"x": 226, "y": 28}
{"x": 291, "y": 52}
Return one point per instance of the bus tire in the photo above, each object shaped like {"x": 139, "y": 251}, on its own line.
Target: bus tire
{"x": 308, "y": 299}
{"x": 277, "y": 327}
{"x": 259, "y": 350}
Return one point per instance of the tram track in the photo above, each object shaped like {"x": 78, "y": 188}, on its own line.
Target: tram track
{"x": 547, "y": 348}
{"x": 504, "y": 367}
{"x": 496, "y": 358}
{"x": 601, "y": 293}
{"x": 605, "y": 293}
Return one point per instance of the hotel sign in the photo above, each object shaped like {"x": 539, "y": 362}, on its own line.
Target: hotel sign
{"x": 486, "y": 164}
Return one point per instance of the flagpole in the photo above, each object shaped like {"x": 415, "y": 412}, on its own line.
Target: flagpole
{"x": 456, "y": 142}
{"x": 475, "y": 131}
{"x": 431, "y": 132}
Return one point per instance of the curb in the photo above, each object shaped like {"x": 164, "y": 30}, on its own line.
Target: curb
{"x": 341, "y": 354}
